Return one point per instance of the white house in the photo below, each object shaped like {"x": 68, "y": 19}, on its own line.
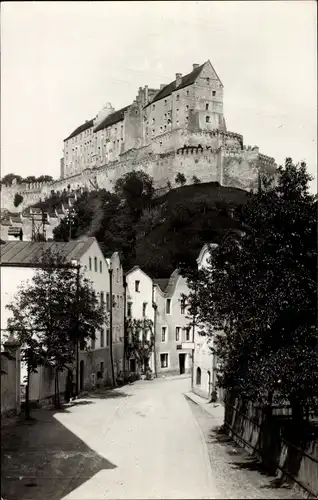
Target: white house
{"x": 19, "y": 260}
{"x": 204, "y": 380}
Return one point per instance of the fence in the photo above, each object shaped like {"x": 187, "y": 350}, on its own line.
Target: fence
{"x": 271, "y": 437}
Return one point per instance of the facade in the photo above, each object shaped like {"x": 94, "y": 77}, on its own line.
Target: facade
{"x": 160, "y": 300}
{"x": 18, "y": 259}
{"x": 179, "y": 128}
{"x": 172, "y": 326}
{"x": 204, "y": 365}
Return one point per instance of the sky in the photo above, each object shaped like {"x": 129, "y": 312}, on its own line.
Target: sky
{"x": 62, "y": 61}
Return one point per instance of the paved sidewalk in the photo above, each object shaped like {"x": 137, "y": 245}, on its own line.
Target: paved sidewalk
{"x": 216, "y": 410}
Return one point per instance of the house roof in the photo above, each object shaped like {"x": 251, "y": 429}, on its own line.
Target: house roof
{"x": 187, "y": 80}
{"x": 81, "y": 128}
{"x": 27, "y": 254}
{"x": 162, "y": 283}
{"x": 111, "y": 119}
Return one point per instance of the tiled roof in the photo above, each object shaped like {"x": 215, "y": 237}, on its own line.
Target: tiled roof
{"x": 81, "y": 128}
{"x": 111, "y": 119}
{"x": 26, "y": 253}
{"x": 188, "y": 79}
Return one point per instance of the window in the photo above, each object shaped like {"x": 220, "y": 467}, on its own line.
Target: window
{"x": 137, "y": 283}
{"x": 207, "y": 106}
{"x": 178, "y": 97}
{"x": 102, "y": 338}
{"x": 163, "y": 333}
{"x": 144, "y": 309}
{"x": 129, "y": 306}
{"x": 95, "y": 264}
{"x": 100, "y": 266}
{"x": 168, "y": 306}
{"x": 187, "y": 107}
{"x": 107, "y": 336}
{"x": 207, "y": 119}
{"x": 187, "y": 333}
{"x": 117, "y": 303}
{"x": 164, "y": 360}
{"x": 213, "y": 93}
{"x": 107, "y": 302}
{"x": 90, "y": 263}
{"x": 198, "y": 378}
{"x": 177, "y": 333}
{"x": 182, "y": 307}
{"x": 187, "y": 93}
{"x": 113, "y": 300}
{"x": 177, "y": 110}
{"x": 165, "y": 102}
{"x": 102, "y": 299}
{"x": 153, "y": 106}
{"x": 208, "y": 81}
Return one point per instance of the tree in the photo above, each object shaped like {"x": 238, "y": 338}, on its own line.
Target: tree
{"x": 53, "y": 313}
{"x": 141, "y": 341}
{"x": 180, "y": 179}
{"x": 195, "y": 180}
{"x": 7, "y": 179}
{"x": 136, "y": 189}
{"x": 18, "y": 199}
{"x": 262, "y": 288}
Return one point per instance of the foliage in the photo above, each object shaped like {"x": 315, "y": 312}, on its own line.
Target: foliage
{"x": 136, "y": 189}
{"x": 18, "y": 199}
{"x": 262, "y": 288}
{"x": 195, "y": 180}
{"x": 141, "y": 342}
{"x": 180, "y": 179}
{"x": 8, "y": 179}
{"x": 53, "y": 312}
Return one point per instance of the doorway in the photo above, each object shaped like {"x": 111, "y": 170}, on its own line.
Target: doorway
{"x": 182, "y": 363}
{"x": 81, "y": 375}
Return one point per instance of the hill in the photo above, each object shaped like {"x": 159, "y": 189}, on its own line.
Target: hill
{"x": 166, "y": 232}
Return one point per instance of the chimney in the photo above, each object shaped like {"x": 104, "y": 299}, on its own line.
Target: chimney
{"x": 178, "y": 79}
{"x": 195, "y": 66}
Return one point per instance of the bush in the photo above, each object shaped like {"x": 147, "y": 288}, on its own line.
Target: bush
{"x": 18, "y": 199}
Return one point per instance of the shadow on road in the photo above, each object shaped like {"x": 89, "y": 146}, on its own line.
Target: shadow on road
{"x": 110, "y": 394}
{"x": 42, "y": 459}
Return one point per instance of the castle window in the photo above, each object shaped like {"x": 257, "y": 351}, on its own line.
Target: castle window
{"x": 165, "y": 102}
{"x": 160, "y": 129}
{"x": 213, "y": 92}
{"x": 187, "y": 119}
{"x": 153, "y": 130}
{"x": 187, "y": 93}
{"x": 177, "y": 122}
{"x": 177, "y": 110}
{"x": 178, "y": 97}
{"x": 153, "y": 120}
{"x": 153, "y": 106}
{"x": 207, "y": 119}
{"x": 160, "y": 143}
{"x": 187, "y": 107}
{"x": 207, "y": 106}
{"x": 208, "y": 81}
{"x": 165, "y": 127}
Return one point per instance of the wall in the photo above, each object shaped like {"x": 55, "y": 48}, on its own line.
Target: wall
{"x": 118, "y": 313}
{"x": 266, "y": 438}
{"x": 10, "y": 382}
{"x": 177, "y": 286}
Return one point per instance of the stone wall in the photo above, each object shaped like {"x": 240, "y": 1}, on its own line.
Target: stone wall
{"x": 209, "y": 155}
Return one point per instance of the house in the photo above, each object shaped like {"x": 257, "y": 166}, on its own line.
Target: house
{"x": 19, "y": 260}
{"x": 161, "y": 301}
{"x": 204, "y": 365}
{"x": 174, "y": 333}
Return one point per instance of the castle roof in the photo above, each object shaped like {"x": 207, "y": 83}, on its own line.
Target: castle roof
{"x": 111, "y": 119}
{"x": 81, "y": 128}
{"x": 27, "y": 254}
{"x": 187, "y": 80}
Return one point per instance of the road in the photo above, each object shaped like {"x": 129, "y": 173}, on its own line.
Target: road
{"x": 152, "y": 439}
{"x": 145, "y": 440}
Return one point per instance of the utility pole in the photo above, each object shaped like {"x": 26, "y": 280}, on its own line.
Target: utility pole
{"x": 111, "y": 324}
{"x": 77, "y": 328}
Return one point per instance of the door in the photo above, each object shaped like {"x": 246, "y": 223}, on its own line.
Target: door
{"x": 182, "y": 363}
{"x": 81, "y": 375}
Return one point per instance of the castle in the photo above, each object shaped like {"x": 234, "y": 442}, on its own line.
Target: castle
{"x": 179, "y": 128}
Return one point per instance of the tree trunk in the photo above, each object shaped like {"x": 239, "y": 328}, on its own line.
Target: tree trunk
{"x": 27, "y": 395}
{"x": 57, "y": 392}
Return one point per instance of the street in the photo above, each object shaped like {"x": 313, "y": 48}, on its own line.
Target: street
{"x": 145, "y": 440}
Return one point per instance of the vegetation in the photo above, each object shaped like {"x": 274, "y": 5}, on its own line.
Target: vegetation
{"x": 180, "y": 179}
{"x": 9, "y": 178}
{"x": 158, "y": 234}
{"x": 18, "y": 199}
{"x": 51, "y": 314}
{"x": 195, "y": 180}
{"x": 262, "y": 288}
{"x": 141, "y": 342}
